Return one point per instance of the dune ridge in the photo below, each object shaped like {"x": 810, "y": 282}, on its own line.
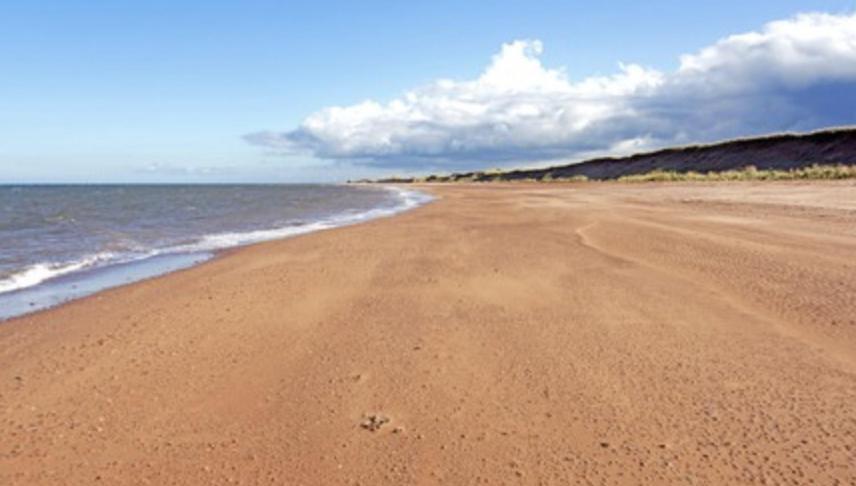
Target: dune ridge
{"x": 775, "y": 152}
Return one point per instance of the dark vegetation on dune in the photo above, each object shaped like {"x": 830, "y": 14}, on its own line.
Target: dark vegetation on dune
{"x": 826, "y": 154}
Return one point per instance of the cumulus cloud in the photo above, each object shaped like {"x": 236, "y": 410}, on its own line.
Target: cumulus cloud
{"x": 794, "y": 74}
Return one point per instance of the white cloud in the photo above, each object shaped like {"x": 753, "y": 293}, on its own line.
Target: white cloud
{"x": 795, "y": 52}
{"x": 793, "y": 74}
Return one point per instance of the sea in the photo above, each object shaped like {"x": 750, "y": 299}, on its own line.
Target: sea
{"x": 61, "y": 242}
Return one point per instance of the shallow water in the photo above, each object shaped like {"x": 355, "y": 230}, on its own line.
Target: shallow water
{"x": 63, "y": 242}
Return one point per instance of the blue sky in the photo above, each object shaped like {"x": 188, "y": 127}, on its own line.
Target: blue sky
{"x": 153, "y": 91}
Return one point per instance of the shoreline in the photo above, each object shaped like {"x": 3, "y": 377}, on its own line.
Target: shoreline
{"x": 212, "y": 257}
{"x": 517, "y": 334}
{"x": 68, "y": 287}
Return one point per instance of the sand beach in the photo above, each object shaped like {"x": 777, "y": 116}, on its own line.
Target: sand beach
{"x": 595, "y": 333}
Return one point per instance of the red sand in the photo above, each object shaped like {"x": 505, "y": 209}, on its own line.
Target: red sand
{"x": 546, "y": 334}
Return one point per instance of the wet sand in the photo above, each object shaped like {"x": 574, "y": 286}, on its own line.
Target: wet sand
{"x": 543, "y": 334}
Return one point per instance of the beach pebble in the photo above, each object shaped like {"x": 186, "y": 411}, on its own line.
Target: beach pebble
{"x": 374, "y": 422}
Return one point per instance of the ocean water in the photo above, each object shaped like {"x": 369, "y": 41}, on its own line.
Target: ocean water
{"x": 62, "y": 242}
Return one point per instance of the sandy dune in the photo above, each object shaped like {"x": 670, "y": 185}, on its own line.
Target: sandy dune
{"x": 782, "y": 152}
{"x": 546, "y": 334}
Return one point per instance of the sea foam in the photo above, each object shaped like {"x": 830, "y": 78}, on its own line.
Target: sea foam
{"x": 46, "y": 271}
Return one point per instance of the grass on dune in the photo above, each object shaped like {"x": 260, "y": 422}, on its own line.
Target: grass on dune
{"x": 749, "y": 173}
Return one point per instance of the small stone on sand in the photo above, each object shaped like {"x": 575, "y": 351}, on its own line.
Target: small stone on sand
{"x": 374, "y": 422}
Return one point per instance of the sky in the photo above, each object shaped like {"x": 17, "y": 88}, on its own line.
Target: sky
{"x": 257, "y": 91}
